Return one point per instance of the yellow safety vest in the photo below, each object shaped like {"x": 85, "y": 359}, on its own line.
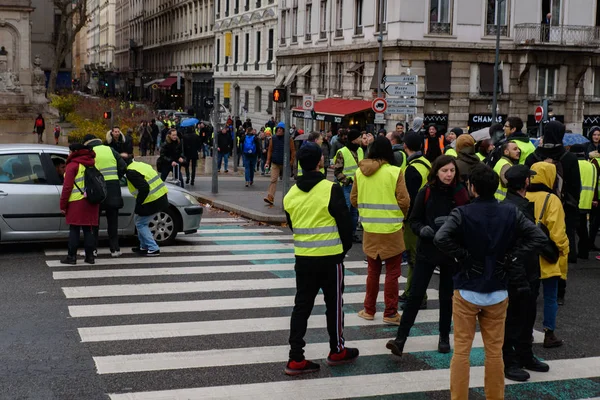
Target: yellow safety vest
{"x": 78, "y": 194}
{"x": 451, "y": 152}
{"x": 157, "y": 187}
{"x": 588, "y": 174}
{"x": 501, "y": 191}
{"x": 315, "y": 230}
{"x": 480, "y": 156}
{"x": 377, "y": 204}
{"x": 526, "y": 148}
{"x": 350, "y": 164}
{"x": 106, "y": 163}
{"x": 423, "y": 166}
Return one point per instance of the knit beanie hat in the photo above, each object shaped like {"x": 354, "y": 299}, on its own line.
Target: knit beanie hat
{"x": 413, "y": 141}
{"x": 464, "y": 141}
{"x": 309, "y": 155}
{"x": 353, "y": 134}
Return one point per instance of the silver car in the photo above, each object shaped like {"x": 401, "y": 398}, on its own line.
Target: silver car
{"x": 30, "y": 188}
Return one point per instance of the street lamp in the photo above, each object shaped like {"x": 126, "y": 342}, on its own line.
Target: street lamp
{"x": 497, "y": 62}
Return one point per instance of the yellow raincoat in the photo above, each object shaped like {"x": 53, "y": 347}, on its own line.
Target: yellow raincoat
{"x": 553, "y": 218}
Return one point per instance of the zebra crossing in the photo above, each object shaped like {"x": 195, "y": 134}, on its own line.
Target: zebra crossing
{"x": 209, "y": 319}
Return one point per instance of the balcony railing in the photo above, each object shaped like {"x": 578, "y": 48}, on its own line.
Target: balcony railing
{"x": 440, "y": 28}
{"x": 566, "y": 35}
{"x": 490, "y": 30}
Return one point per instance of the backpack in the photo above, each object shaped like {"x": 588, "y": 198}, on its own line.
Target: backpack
{"x": 95, "y": 186}
{"x": 39, "y": 123}
{"x": 559, "y": 181}
{"x": 249, "y": 145}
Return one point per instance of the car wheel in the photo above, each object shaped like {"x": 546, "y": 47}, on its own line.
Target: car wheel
{"x": 164, "y": 227}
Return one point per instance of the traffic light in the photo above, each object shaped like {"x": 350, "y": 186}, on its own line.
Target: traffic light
{"x": 279, "y": 95}
{"x": 547, "y": 105}
{"x": 107, "y": 115}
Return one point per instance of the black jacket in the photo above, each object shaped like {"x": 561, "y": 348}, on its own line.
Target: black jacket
{"x": 113, "y": 188}
{"x": 338, "y": 210}
{"x": 139, "y": 182}
{"x": 224, "y": 143}
{"x": 170, "y": 151}
{"x": 191, "y": 144}
{"x": 413, "y": 179}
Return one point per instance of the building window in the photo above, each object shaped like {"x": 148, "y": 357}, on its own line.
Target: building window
{"x": 269, "y": 109}
{"x": 486, "y": 79}
{"x": 257, "y": 99}
{"x": 384, "y": 24}
{"x": 258, "y": 49}
{"x": 490, "y": 28}
{"x": 597, "y": 82}
{"x": 227, "y": 8}
{"x": 236, "y": 48}
{"x": 307, "y": 79}
{"x": 308, "y": 22}
{"x": 270, "y": 50}
{"x": 358, "y": 17}
{"x": 339, "y": 22}
{"x": 439, "y": 17}
{"x": 437, "y": 77}
{"x": 295, "y": 23}
{"x": 247, "y": 52}
{"x": 237, "y": 7}
{"x": 218, "y": 55}
{"x": 323, "y": 20}
{"x": 322, "y": 77}
{"x": 546, "y": 81}
{"x": 246, "y": 100}
{"x": 358, "y": 70}
{"x": 282, "y": 28}
{"x": 339, "y": 76}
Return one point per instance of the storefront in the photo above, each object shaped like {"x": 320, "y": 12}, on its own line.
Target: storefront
{"x": 170, "y": 95}
{"x": 439, "y": 120}
{"x": 203, "y": 85}
{"x": 533, "y": 127}
{"x": 480, "y": 121}
{"x": 337, "y": 113}
{"x": 589, "y": 121}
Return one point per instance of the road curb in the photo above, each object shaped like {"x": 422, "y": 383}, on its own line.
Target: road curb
{"x": 243, "y": 211}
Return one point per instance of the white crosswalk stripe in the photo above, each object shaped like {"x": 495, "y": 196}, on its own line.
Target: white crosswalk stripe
{"x": 148, "y": 320}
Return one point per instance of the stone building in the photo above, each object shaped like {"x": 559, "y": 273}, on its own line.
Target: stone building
{"x": 329, "y": 48}
{"x": 125, "y": 81}
{"x": 80, "y": 60}
{"x": 245, "y": 66}
{"x": 100, "y": 49}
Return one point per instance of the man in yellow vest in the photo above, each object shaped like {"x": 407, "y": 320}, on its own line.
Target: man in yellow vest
{"x": 317, "y": 215}
{"x": 395, "y": 139}
{"x": 112, "y": 166}
{"x": 346, "y": 163}
{"x": 150, "y": 194}
{"x": 510, "y": 156}
{"x": 316, "y": 138}
{"x": 512, "y": 131}
{"x": 589, "y": 183}
{"x": 415, "y": 176}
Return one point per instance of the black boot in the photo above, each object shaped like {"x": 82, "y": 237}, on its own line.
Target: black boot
{"x": 444, "y": 344}
{"x": 71, "y": 260}
{"x": 535, "y": 365}
{"x": 515, "y": 373}
{"x": 396, "y": 345}
{"x": 550, "y": 339}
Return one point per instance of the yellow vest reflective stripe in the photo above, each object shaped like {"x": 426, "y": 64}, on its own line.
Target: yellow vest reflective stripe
{"x": 157, "y": 187}
{"x": 106, "y": 163}
{"x": 377, "y": 204}
{"x": 350, "y": 164}
{"x": 480, "y": 156}
{"x": 526, "y": 148}
{"x": 423, "y": 166}
{"x": 588, "y": 173}
{"x": 451, "y": 152}
{"x": 501, "y": 191}
{"x": 301, "y": 171}
{"x": 78, "y": 194}
{"x": 315, "y": 230}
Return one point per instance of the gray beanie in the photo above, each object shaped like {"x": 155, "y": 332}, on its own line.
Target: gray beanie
{"x": 417, "y": 124}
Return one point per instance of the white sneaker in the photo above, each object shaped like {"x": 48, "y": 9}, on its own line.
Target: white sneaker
{"x": 82, "y": 253}
{"x": 115, "y": 254}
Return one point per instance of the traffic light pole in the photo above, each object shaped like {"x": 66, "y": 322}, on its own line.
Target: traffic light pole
{"x": 215, "y": 118}
{"x": 286, "y": 144}
{"x": 112, "y": 119}
{"x": 380, "y": 63}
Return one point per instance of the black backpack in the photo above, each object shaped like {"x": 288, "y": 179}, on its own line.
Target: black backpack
{"x": 95, "y": 186}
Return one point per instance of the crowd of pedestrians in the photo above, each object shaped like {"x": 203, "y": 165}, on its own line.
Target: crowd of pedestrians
{"x": 498, "y": 217}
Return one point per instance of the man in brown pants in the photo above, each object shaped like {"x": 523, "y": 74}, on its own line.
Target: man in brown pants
{"x": 275, "y": 159}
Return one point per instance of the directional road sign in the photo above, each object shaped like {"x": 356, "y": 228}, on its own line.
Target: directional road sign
{"x": 402, "y": 110}
{"x": 539, "y": 114}
{"x": 379, "y": 105}
{"x": 401, "y": 90}
{"x": 401, "y": 102}
{"x": 400, "y": 79}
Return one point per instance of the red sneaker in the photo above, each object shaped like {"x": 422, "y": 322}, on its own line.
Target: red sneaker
{"x": 294, "y": 368}
{"x": 345, "y": 356}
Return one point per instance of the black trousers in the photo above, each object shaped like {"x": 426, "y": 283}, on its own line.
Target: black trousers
{"x": 88, "y": 240}
{"x": 309, "y": 280}
{"x": 112, "y": 227}
{"x": 583, "y": 234}
{"x": 520, "y": 318}
{"x": 422, "y": 273}
{"x": 194, "y": 164}
{"x": 176, "y": 173}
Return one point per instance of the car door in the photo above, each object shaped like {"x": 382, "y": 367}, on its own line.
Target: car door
{"x": 126, "y": 224}
{"x": 29, "y": 204}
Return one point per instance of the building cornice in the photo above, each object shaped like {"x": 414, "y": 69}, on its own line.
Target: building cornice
{"x": 247, "y": 19}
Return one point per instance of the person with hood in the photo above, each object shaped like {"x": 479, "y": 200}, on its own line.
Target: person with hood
{"x": 116, "y": 140}
{"x": 497, "y": 133}
{"x": 568, "y": 186}
{"x": 346, "y": 163}
{"x": 81, "y": 215}
{"x": 592, "y": 149}
{"x": 553, "y": 217}
{"x": 593, "y": 153}
{"x": 487, "y": 239}
{"x": 434, "y": 144}
{"x": 395, "y": 139}
{"x": 466, "y": 160}
{"x": 510, "y": 157}
{"x": 275, "y": 160}
{"x": 513, "y": 133}
{"x": 442, "y": 193}
{"x": 382, "y": 200}
{"x": 316, "y": 213}
{"x": 517, "y": 350}
{"x": 450, "y": 137}
{"x": 171, "y": 157}
{"x": 250, "y": 149}
{"x": 112, "y": 167}
{"x": 224, "y": 147}
{"x": 39, "y": 126}
{"x": 589, "y": 190}
{"x": 192, "y": 144}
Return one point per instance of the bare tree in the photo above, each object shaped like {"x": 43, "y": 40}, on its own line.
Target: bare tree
{"x": 73, "y": 17}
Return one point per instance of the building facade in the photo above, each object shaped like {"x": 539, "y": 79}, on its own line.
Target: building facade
{"x": 101, "y": 45}
{"x": 80, "y": 60}
{"x": 125, "y": 79}
{"x": 245, "y": 64}
{"x": 329, "y": 48}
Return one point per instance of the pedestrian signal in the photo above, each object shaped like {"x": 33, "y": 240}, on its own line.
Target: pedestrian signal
{"x": 106, "y": 115}
{"x": 279, "y": 95}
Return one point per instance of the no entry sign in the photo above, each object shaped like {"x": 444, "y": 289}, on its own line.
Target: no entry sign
{"x": 539, "y": 114}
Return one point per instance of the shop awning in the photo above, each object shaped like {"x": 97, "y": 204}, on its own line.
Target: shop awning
{"x": 355, "y": 68}
{"x": 167, "y": 83}
{"x": 340, "y": 107}
{"x": 291, "y": 76}
{"x": 148, "y": 84}
{"x": 304, "y": 70}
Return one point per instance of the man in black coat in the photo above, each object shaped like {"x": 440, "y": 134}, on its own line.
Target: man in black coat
{"x": 224, "y": 146}
{"x": 192, "y": 144}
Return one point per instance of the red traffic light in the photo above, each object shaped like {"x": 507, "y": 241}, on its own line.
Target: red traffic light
{"x": 106, "y": 115}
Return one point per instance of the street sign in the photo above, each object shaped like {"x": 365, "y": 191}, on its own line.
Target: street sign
{"x": 308, "y": 102}
{"x": 307, "y": 114}
{"x": 401, "y": 90}
{"x": 379, "y": 118}
{"x": 402, "y": 110}
{"x": 379, "y": 105}
{"x": 401, "y": 102}
{"x": 400, "y": 79}
{"x": 539, "y": 114}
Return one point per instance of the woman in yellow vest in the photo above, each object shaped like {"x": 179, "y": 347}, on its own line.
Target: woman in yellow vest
{"x": 382, "y": 200}
{"x": 81, "y": 215}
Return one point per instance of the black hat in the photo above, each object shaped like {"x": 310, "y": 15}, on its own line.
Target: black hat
{"x": 413, "y": 141}
{"x": 457, "y": 131}
{"x": 309, "y": 155}
{"x": 77, "y": 146}
{"x": 518, "y": 173}
{"x": 353, "y": 134}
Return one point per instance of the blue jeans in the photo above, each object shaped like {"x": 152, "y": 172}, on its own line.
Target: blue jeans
{"x": 550, "y": 302}
{"x": 220, "y": 158}
{"x": 353, "y": 211}
{"x": 205, "y": 150}
{"x": 249, "y": 165}
{"x": 145, "y": 237}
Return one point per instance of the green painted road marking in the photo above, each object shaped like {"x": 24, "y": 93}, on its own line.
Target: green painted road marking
{"x": 277, "y": 251}
{"x": 233, "y": 244}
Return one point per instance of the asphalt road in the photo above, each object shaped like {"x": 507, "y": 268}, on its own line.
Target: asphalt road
{"x": 215, "y": 325}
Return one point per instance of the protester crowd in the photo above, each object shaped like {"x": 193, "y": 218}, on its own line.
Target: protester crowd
{"x": 497, "y": 216}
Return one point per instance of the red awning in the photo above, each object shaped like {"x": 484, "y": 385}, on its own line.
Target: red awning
{"x": 167, "y": 83}
{"x": 340, "y": 107}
